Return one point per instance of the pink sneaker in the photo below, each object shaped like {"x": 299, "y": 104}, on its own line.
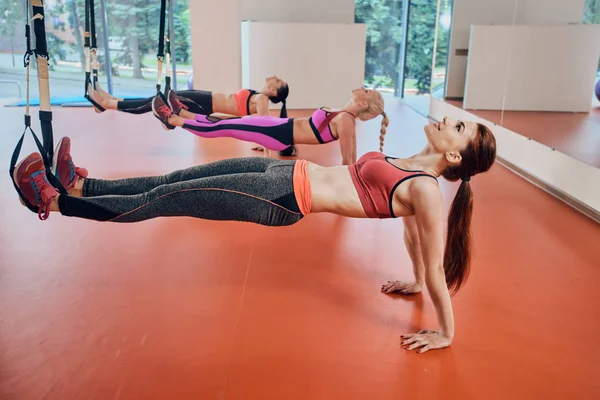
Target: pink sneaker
{"x": 63, "y": 167}
{"x": 30, "y": 176}
{"x": 162, "y": 112}
{"x": 174, "y": 102}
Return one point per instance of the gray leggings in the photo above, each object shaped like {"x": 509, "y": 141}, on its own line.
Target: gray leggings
{"x": 258, "y": 190}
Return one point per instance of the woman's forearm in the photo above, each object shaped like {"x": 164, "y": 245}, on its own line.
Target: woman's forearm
{"x": 414, "y": 251}
{"x": 438, "y": 290}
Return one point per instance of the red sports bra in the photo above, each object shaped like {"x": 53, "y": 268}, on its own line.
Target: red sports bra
{"x": 376, "y": 179}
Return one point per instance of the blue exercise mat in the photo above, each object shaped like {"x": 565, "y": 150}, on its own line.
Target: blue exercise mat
{"x": 59, "y": 101}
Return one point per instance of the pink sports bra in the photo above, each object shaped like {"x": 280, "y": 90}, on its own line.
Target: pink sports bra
{"x": 319, "y": 122}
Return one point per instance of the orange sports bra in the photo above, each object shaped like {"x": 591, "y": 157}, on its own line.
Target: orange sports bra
{"x": 242, "y": 99}
{"x": 376, "y": 179}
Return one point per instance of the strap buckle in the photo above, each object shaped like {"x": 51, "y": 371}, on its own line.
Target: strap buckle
{"x": 26, "y": 56}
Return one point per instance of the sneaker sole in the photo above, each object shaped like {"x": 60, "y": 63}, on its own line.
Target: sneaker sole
{"x": 169, "y": 101}
{"x": 55, "y": 156}
{"x": 16, "y": 169}
{"x": 15, "y": 179}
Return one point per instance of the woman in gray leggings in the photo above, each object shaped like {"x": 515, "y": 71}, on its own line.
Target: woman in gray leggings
{"x": 278, "y": 193}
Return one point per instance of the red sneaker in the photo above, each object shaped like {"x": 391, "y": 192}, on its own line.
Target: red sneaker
{"x": 174, "y": 102}
{"x": 162, "y": 112}
{"x": 30, "y": 176}
{"x": 63, "y": 167}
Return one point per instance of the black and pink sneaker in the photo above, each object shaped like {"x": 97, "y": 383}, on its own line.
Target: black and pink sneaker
{"x": 174, "y": 102}
{"x": 63, "y": 167}
{"x": 162, "y": 112}
{"x": 30, "y": 177}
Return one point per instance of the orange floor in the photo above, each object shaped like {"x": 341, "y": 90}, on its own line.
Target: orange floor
{"x": 575, "y": 134}
{"x": 189, "y": 309}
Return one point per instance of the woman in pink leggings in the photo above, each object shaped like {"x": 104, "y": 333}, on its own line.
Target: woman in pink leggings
{"x": 241, "y": 103}
{"x": 278, "y": 134}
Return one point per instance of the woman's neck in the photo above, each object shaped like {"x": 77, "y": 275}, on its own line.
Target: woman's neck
{"x": 352, "y": 108}
{"x": 427, "y": 160}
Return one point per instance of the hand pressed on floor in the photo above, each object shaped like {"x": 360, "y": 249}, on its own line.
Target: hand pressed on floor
{"x": 425, "y": 340}
{"x": 401, "y": 287}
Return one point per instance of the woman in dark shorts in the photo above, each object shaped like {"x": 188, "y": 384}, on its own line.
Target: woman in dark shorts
{"x": 242, "y": 103}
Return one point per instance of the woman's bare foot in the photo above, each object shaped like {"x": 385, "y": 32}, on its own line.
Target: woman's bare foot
{"x": 105, "y": 94}
{"x": 105, "y": 101}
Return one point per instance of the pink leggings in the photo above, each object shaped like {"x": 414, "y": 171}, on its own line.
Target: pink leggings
{"x": 271, "y": 132}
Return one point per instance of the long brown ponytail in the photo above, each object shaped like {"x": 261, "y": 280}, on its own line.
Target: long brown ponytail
{"x": 478, "y": 157}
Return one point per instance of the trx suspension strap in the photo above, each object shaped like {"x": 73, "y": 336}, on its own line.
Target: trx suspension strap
{"x": 41, "y": 52}
{"x": 47, "y": 148}
{"x": 160, "y": 55}
{"x": 91, "y": 52}
{"x": 94, "y": 46}
{"x": 168, "y": 57}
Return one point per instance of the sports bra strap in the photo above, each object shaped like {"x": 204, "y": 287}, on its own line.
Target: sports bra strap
{"x": 251, "y": 93}
{"x": 330, "y": 117}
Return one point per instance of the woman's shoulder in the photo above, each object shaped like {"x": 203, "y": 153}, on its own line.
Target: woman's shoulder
{"x": 248, "y": 92}
{"x": 425, "y": 194}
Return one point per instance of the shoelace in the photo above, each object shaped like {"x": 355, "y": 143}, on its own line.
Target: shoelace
{"x": 46, "y": 192}
{"x": 164, "y": 111}
{"x": 181, "y": 106}
{"x": 175, "y": 100}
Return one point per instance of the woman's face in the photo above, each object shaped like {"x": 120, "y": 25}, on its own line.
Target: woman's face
{"x": 450, "y": 136}
{"x": 273, "y": 84}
